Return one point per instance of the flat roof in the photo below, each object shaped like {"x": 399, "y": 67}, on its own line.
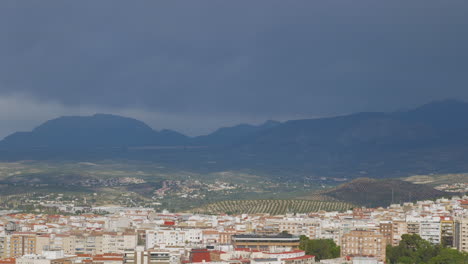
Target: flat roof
{"x": 280, "y": 235}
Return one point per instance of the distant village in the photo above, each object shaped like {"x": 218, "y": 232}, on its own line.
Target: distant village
{"x": 461, "y": 187}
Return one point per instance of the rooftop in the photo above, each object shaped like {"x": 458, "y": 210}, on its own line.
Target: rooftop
{"x": 280, "y": 235}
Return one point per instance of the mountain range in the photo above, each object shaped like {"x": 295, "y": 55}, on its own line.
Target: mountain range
{"x": 112, "y": 131}
{"x": 432, "y": 138}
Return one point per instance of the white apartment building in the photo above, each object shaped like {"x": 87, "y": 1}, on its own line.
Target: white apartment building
{"x": 309, "y": 228}
{"x": 173, "y": 237}
{"x": 118, "y": 243}
{"x": 430, "y": 230}
{"x": 47, "y": 257}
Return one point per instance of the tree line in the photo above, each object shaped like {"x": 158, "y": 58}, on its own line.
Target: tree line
{"x": 412, "y": 249}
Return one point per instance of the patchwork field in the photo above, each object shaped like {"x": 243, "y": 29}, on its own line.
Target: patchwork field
{"x": 273, "y": 207}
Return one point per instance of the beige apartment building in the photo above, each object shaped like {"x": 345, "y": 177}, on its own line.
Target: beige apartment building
{"x": 4, "y": 247}
{"x": 309, "y": 229}
{"x": 461, "y": 234}
{"x": 98, "y": 243}
{"x": 94, "y": 243}
{"x": 399, "y": 228}
{"x": 85, "y": 243}
{"x": 42, "y": 243}
{"x": 386, "y": 229}
{"x": 363, "y": 243}
{"x": 22, "y": 244}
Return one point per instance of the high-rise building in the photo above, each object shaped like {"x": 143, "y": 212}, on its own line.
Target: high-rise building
{"x": 447, "y": 229}
{"x": 461, "y": 234}
{"x": 399, "y": 228}
{"x": 386, "y": 229}
{"x": 4, "y": 247}
{"x": 22, "y": 244}
{"x": 430, "y": 230}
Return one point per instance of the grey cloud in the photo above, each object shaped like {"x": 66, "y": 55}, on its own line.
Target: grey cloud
{"x": 219, "y": 59}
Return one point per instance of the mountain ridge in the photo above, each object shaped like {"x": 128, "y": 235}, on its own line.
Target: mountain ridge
{"x": 432, "y": 138}
{"x": 98, "y": 130}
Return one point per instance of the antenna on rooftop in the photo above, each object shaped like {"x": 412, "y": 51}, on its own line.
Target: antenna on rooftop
{"x": 392, "y": 196}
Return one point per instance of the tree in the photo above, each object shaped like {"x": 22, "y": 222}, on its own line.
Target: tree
{"x": 447, "y": 242}
{"x": 320, "y": 248}
{"x": 448, "y": 255}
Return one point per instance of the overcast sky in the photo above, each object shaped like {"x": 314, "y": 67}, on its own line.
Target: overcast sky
{"x": 194, "y": 66}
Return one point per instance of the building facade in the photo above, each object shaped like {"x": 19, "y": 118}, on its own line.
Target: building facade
{"x": 363, "y": 243}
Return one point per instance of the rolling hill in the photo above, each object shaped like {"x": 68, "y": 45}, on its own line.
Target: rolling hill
{"x": 372, "y": 192}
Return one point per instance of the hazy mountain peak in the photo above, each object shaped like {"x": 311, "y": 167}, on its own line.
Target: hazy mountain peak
{"x": 451, "y": 105}
{"x": 270, "y": 123}
{"x": 98, "y": 130}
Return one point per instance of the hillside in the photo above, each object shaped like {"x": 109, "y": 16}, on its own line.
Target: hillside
{"x": 227, "y": 136}
{"x": 373, "y": 193}
{"x": 430, "y": 139}
{"x": 273, "y": 207}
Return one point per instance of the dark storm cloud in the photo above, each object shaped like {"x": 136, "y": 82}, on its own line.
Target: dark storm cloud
{"x": 216, "y": 58}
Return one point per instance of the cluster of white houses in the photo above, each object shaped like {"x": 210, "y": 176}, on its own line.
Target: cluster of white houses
{"x": 143, "y": 236}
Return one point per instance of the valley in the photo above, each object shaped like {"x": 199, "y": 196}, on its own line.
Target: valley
{"x": 49, "y": 185}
